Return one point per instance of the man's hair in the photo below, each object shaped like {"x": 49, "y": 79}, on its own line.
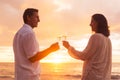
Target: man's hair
{"x": 28, "y": 12}
{"x": 102, "y": 24}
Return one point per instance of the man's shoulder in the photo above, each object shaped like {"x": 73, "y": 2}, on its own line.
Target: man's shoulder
{"x": 24, "y": 31}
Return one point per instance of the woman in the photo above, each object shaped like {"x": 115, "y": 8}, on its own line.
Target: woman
{"x": 97, "y": 55}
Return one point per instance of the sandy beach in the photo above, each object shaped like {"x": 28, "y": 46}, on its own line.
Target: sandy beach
{"x": 7, "y": 73}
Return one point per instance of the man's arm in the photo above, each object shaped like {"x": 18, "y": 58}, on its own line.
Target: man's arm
{"x": 40, "y": 55}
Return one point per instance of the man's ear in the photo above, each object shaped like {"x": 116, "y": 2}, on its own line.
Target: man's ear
{"x": 28, "y": 18}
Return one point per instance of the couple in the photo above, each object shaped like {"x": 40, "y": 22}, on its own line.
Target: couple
{"x": 96, "y": 55}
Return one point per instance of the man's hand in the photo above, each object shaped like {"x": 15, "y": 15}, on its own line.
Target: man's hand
{"x": 54, "y": 47}
{"x": 66, "y": 44}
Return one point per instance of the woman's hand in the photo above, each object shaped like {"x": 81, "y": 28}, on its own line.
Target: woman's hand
{"x": 66, "y": 44}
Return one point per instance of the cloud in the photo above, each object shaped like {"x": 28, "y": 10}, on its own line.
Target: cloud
{"x": 14, "y": 3}
{"x": 70, "y": 17}
{"x": 115, "y": 39}
{"x": 10, "y": 13}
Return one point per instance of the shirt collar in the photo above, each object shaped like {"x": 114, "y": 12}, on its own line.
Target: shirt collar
{"x": 26, "y": 25}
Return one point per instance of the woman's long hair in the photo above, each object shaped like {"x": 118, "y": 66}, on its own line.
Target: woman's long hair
{"x": 102, "y": 24}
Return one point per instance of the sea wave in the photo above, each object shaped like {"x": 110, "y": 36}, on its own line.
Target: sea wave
{"x": 113, "y": 77}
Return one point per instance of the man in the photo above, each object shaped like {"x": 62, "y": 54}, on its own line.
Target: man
{"x": 26, "y": 48}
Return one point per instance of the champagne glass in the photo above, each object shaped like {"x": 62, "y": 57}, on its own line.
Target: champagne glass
{"x": 60, "y": 39}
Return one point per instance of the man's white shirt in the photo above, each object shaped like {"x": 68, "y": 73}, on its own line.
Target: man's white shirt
{"x": 25, "y": 46}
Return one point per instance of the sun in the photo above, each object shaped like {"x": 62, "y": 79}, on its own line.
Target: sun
{"x": 57, "y": 58}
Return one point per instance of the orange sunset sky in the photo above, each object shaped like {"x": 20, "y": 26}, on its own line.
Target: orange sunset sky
{"x": 69, "y": 18}
{"x": 58, "y": 17}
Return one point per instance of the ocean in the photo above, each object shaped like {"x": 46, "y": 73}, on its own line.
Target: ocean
{"x": 56, "y": 71}
{"x": 60, "y": 71}
{"x": 70, "y": 71}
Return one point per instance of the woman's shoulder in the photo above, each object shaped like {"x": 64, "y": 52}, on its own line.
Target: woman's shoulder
{"x": 97, "y": 36}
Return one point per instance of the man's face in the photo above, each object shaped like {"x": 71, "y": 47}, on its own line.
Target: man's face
{"x": 33, "y": 20}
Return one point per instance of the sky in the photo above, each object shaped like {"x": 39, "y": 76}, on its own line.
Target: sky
{"x": 69, "y": 18}
{"x": 58, "y": 17}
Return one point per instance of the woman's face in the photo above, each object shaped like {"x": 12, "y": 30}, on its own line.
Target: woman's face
{"x": 93, "y": 25}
